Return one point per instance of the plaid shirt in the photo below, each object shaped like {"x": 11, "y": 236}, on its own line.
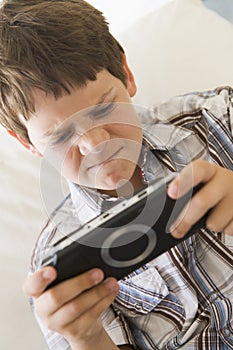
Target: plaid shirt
{"x": 182, "y": 299}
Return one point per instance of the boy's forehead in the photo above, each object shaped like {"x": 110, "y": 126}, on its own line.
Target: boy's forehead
{"x": 85, "y": 101}
{"x": 79, "y": 98}
{"x": 49, "y": 107}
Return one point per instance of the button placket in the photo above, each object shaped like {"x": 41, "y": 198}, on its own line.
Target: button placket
{"x": 226, "y": 332}
{"x": 213, "y": 296}
{"x": 138, "y": 306}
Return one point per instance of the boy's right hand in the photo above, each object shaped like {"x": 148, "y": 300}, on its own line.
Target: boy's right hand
{"x": 72, "y": 308}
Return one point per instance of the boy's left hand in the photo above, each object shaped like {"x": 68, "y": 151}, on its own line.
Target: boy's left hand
{"x": 216, "y": 194}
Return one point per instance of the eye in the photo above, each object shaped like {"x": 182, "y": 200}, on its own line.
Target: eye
{"x": 62, "y": 137}
{"x": 102, "y": 110}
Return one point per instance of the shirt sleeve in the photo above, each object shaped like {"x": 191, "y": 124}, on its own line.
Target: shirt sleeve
{"x": 218, "y": 103}
{"x": 227, "y": 94}
{"x": 54, "y": 340}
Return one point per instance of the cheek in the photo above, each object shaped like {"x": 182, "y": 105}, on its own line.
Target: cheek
{"x": 129, "y": 132}
{"x": 70, "y": 163}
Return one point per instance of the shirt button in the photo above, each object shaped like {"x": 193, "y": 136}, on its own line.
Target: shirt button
{"x": 138, "y": 306}
{"x": 191, "y": 248}
{"x": 226, "y": 331}
{"x": 213, "y": 296}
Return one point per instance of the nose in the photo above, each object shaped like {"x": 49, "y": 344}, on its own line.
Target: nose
{"x": 93, "y": 141}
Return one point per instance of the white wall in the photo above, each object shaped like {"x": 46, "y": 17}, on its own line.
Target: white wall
{"x": 222, "y": 7}
{"x": 122, "y": 13}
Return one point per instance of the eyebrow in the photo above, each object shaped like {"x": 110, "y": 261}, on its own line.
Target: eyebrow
{"x": 91, "y": 110}
{"x": 96, "y": 108}
{"x": 60, "y": 133}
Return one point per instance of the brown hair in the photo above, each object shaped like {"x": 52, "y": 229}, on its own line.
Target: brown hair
{"x": 51, "y": 45}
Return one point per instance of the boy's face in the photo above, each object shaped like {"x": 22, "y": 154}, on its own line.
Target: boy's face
{"x": 93, "y": 135}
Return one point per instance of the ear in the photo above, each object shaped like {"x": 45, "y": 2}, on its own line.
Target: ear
{"x": 26, "y": 144}
{"x": 131, "y": 85}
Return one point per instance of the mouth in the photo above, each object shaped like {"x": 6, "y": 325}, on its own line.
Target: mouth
{"x": 106, "y": 160}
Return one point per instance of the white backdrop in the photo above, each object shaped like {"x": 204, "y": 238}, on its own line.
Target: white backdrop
{"x": 122, "y": 13}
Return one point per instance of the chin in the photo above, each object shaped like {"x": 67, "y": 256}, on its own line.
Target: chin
{"x": 115, "y": 180}
{"x": 108, "y": 177}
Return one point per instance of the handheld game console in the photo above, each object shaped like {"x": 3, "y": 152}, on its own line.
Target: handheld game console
{"x": 123, "y": 238}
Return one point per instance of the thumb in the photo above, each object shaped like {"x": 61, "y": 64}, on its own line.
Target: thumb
{"x": 35, "y": 284}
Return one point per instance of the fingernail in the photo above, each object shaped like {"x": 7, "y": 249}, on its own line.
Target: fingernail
{"x": 111, "y": 284}
{"x": 48, "y": 274}
{"x": 173, "y": 190}
{"x": 97, "y": 276}
{"x": 175, "y": 233}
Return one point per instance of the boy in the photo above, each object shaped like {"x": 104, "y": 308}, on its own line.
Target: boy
{"x": 65, "y": 94}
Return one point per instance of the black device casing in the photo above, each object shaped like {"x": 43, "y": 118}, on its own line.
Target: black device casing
{"x": 126, "y": 241}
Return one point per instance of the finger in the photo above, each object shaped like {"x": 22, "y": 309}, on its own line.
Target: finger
{"x": 220, "y": 217}
{"x": 229, "y": 229}
{"x": 36, "y": 283}
{"x": 200, "y": 204}
{"x": 85, "y": 303}
{"x": 193, "y": 174}
{"x": 89, "y": 318}
{"x": 54, "y": 298}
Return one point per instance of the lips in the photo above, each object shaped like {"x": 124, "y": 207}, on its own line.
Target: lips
{"x": 106, "y": 160}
